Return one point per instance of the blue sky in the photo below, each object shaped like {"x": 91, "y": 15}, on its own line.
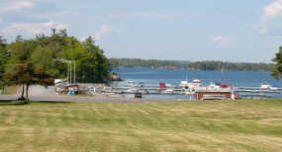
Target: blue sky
{"x": 195, "y": 30}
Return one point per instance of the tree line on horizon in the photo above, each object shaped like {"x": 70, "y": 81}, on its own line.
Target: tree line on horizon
{"x": 199, "y": 65}
{"x": 36, "y": 61}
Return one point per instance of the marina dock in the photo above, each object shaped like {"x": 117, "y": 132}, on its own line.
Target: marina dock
{"x": 194, "y": 89}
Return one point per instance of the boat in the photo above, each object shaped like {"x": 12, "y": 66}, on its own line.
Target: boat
{"x": 194, "y": 84}
{"x": 266, "y": 86}
{"x": 130, "y": 84}
{"x": 213, "y": 86}
{"x": 197, "y": 82}
{"x": 168, "y": 91}
{"x": 190, "y": 87}
{"x": 220, "y": 87}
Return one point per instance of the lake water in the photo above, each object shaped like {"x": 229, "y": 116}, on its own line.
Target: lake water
{"x": 237, "y": 78}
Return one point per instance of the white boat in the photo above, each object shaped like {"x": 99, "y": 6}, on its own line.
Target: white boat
{"x": 130, "y": 84}
{"x": 168, "y": 91}
{"x": 220, "y": 87}
{"x": 191, "y": 87}
{"x": 266, "y": 86}
{"x": 131, "y": 90}
{"x": 59, "y": 82}
{"x": 213, "y": 86}
{"x": 195, "y": 83}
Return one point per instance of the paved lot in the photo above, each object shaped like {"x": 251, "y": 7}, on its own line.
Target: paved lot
{"x": 39, "y": 93}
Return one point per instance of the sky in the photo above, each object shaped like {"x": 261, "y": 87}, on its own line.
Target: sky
{"x": 194, "y": 30}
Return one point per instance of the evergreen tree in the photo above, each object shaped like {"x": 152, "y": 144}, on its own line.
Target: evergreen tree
{"x": 3, "y": 60}
{"x": 277, "y": 70}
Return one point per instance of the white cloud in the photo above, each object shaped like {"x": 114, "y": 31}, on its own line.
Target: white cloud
{"x": 105, "y": 29}
{"x": 222, "y": 41}
{"x": 271, "y": 11}
{"x": 142, "y": 15}
{"x": 32, "y": 28}
{"x": 17, "y": 5}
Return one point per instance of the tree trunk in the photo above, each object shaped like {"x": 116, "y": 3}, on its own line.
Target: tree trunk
{"x": 22, "y": 98}
{"x": 22, "y": 93}
{"x": 26, "y": 92}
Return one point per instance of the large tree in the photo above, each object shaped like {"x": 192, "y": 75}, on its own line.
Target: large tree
{"x": 277, "y": 70}
{"x": 34, "y": 61}
{"x": 23, "y": 70}
{"x": 3, "y": 60}
{"x": 26, "y": 74}
{"x": 92, "y": 66}
{"x": 96, "y": 66}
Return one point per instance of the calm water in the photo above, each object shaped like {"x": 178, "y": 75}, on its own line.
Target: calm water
{"x": 237, "y": 78}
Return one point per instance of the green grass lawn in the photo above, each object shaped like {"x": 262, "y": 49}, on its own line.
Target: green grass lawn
{"x": 212, "y": 126}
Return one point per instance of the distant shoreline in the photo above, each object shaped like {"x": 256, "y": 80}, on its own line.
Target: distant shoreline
{"x": 198, "y": 65}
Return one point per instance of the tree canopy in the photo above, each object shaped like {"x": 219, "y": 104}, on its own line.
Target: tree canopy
{"x": 277, "y": 70}
{"x": 36, "y": 61}
{"x": 3, "y": 60}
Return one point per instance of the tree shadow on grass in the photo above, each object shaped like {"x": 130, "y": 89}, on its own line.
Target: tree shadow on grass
{"x": 22, "y": 103}
{"x": 52, "y": 102}
{"x": 12, "y": 103}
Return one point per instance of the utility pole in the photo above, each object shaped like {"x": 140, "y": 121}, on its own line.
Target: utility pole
{"x": 70, "y": 73}
{"x": 70, "y": 76}
{"x": 74, "y": 73}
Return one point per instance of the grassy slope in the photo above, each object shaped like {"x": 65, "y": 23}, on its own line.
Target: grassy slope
{"x": 211, "y": 126}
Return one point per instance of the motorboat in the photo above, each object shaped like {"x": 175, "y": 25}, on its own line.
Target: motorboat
{"x": 220, "y": 87}
{"x": 168, "y": 91}
{"x": 213, "y": 86}
{"x": 266, "y": 86}
{"x": 191, "y": 87}
{"x": 130, "y": 84}
{"x": 194, "y": 84}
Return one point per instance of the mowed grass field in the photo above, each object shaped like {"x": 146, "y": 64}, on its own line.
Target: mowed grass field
{"x": 247, "y": 125}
